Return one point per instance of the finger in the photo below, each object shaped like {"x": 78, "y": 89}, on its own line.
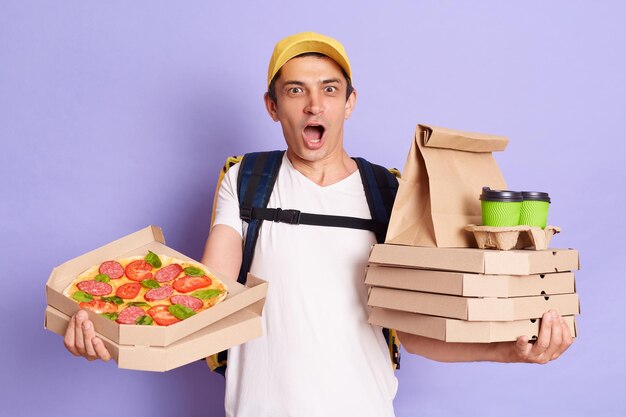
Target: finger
{"x": 522, "y": 347}
{"x": 100, "y": 349}
{"x": 79, "y": 341}
{"x": 556, "y": 337}
{"x": 543, "y": 339}
{"x": 567, "y": 339}
{"x": 68, "y": 340}
{"x": 89, "y": 335}
{"x": 567, "y": 333}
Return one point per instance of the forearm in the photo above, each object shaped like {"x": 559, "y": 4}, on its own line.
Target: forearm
{"x": 457, "y": 352}
{"x": 223, "y": 251}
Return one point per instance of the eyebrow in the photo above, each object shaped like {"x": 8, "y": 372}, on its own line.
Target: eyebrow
{"x": 300, "y": 83}
{"x": 293, "y": 82}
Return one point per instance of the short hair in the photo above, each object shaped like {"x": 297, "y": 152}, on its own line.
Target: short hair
{"x": 271, "y": 91}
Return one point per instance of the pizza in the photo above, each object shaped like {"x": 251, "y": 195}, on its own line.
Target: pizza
{"x": 150, "y": 290}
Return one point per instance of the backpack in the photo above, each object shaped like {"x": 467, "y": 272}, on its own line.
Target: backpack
{"x": 255, "y": 182}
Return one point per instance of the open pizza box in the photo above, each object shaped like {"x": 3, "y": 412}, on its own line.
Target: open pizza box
{"x": 232, "y": 330}
{"x": 233, "y": 321}
{"x": 454, "y": 330}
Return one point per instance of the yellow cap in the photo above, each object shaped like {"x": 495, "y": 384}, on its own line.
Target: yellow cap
{"x": 304, "y": 42}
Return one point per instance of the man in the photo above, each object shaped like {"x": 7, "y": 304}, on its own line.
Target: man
{"x": 318, "y": 353}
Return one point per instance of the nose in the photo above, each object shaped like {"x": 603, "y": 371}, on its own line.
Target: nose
{"x": 315, "y": 103}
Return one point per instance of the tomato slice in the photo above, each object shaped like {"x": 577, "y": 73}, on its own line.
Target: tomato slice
{"x": 99, "y": 306}
{"x": 188, "y": 284}
{"x": 162, "y": 316}
{"x": 128, "y": 291}
{"x": 138, "y": 270}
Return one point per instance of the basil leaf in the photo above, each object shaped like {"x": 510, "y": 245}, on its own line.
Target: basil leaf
{"x": 205, "y": 294}
{"x": 110, "y": 316}
{"x": 113, "y": 299}
{"x": 180, "y": 311}
{"x": 82, "y": 296}
{"x": 144, "y": 320}
{"x": 153, "y": 259}
{"x": 192, "y": 271}
{"x": 138, "y": 304}
{"x": 102, "y": 278}
{"x": 150, "y": 283}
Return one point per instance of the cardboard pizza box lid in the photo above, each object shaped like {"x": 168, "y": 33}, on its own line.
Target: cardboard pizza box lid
{"x": 453, "y": 330}
{"x": 481, "y": 261}
{"x": 138, "y": 243}
{"x": 470, "y": 284}
{"x": 237, "y": 328}
{"x": 472, "y": 309}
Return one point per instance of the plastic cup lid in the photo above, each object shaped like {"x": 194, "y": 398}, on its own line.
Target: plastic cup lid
{"x": 536, "y": 196}
{"x": 505, "y": 196}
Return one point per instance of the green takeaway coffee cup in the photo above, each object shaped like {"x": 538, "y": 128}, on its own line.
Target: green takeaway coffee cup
{"x": 500, "y": 207}
{"x": 534, "y": 211}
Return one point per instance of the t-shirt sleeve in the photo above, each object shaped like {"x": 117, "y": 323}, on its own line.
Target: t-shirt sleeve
{"x": 227, "y": 209}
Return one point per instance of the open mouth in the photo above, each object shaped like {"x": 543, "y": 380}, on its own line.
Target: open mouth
{"x": 313, "y": 133}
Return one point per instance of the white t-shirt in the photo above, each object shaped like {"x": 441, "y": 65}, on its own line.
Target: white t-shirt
{"x": 318, "y": 356}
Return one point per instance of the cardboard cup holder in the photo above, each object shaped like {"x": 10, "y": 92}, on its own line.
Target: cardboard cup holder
{"x": 513, "y": 237}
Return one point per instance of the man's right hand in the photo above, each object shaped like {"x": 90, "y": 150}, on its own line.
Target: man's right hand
{"x": 80, "y": 339}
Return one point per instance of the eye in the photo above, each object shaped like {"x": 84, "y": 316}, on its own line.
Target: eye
{"x": 330, "y": 89}
{"x": 295, "y": 90}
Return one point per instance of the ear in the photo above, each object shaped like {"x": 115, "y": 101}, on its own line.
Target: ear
{"x": 350, "y": 102}
{"x": 271, "y": 106}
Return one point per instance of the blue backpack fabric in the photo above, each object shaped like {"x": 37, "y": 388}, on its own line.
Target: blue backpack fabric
{"x": 255, "y": 182}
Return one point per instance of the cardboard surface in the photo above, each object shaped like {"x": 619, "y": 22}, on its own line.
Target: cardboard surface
{"x": 518, "y": 237}
{"x": 440, "y": 186}
{"x": 138, "y": 243}
{"x": 239, "y": 327}
{"x": 481, "y": 261}
{"x": 452, "y": 330}
{"x": 470, "y": 285}
{"x": 472, "y": 309}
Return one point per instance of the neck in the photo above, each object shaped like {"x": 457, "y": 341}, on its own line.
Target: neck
{"x": 326, "y": 171}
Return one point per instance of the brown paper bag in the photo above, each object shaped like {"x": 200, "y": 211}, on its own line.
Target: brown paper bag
{"x": 440, "y": 187}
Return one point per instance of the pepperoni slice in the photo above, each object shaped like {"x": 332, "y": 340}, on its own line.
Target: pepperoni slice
{"x": 161, "y": 293}
{"x": 162, "y": 316}
{"x": 130, "y": 314}
{"x": 168, "y": 273}
{"x": 128, "y": 291}
{"x": 94, "y": 287}
{"x": 139, "y": 270}
{"x": 187, "y": 284}
{"x": 112, "y": 269}
{"x": 188, "y": 301}
{"x": 99, "y": 306}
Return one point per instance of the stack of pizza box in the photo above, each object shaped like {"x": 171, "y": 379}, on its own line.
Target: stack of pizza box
{"x": 235, "y": 320}
{"x": 470, "y": 294}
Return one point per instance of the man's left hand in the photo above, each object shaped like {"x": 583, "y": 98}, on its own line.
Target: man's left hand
{"x": 554, "y": 338}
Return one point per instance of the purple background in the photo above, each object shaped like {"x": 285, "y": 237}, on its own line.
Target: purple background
{"x": 115, "y": 115}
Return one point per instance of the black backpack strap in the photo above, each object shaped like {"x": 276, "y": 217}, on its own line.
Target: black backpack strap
{"x": 255, "y": 182}
{"x": 289, "y": 216}
{"x": 380, "y": 187}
